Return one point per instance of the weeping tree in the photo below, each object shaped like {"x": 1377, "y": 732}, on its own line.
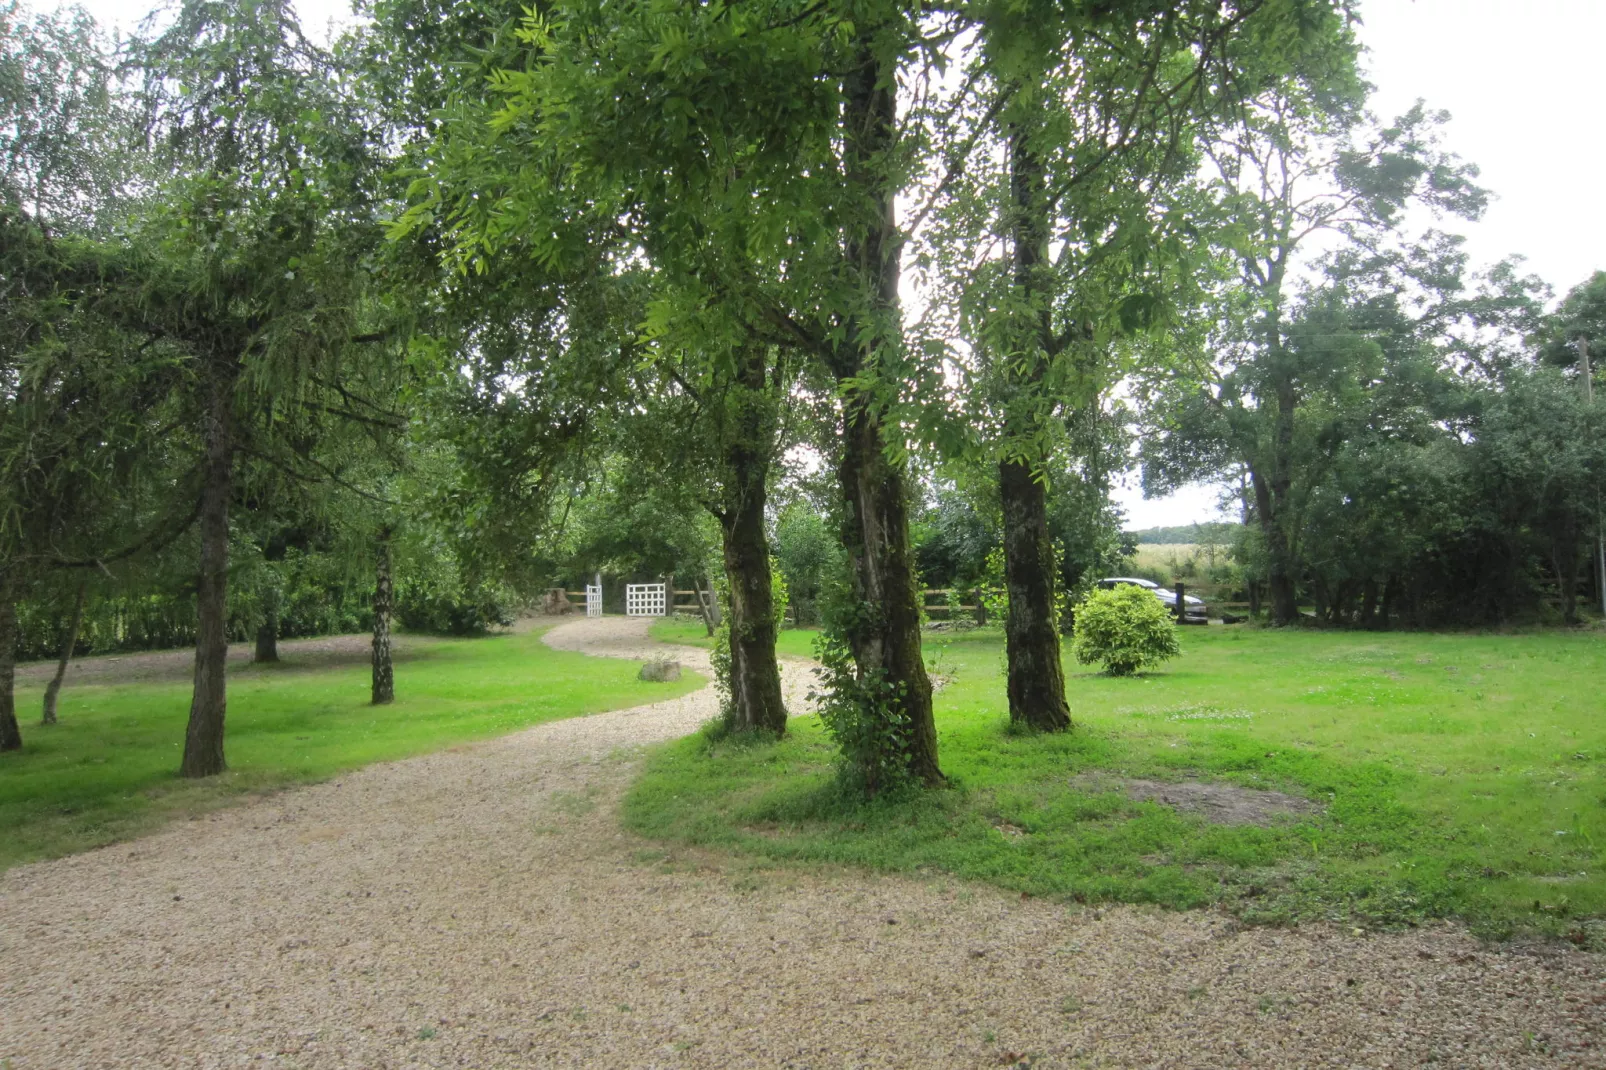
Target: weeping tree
{"x": 81, "y": 401}
{"x": 244, "y": 260}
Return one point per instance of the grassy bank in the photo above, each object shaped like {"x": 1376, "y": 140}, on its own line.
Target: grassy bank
{"x": 1459, "y": 775}
{"x": 107, "y": 771}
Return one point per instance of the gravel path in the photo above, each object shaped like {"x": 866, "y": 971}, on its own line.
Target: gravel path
{"x": 482, "y": 908}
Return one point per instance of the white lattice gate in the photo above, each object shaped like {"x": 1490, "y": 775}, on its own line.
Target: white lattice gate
{"x": 646, "y": 599}
{"x": 594, "y": 599}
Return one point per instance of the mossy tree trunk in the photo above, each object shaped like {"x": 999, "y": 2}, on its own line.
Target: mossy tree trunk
{"x": 884, "y": 632}
{"x": 755, "y": 675}
{"x": 1036, "y": 675}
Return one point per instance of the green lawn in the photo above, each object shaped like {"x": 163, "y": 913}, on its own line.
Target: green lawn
{"x": 1464, "y": 775}
{"x": 792, "y": 642}
{"x": 106, "y": 772}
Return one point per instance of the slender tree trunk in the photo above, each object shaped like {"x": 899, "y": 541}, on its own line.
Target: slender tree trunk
{"x": 1564, "y": 559}
{"x": 708, "y": 603}
{"x": 384, "y": 689}
{"x": 203, "y": 740}
{"x": 884, "y": 634}
{"x": 1031, "y": 630}
{"x": 10, "y": 733}
{"x": 1279, "y": 573}
{"x": 267, "y": 646}
{"x": 69, "y": 640}
{"x": 1369, "y": 605}
{"x": 755, "y": 674}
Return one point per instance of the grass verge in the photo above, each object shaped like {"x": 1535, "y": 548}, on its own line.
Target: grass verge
{"x": 107, "y": 771}
{"x": 790, "y": 643}
{"x": 1460, "y": 775}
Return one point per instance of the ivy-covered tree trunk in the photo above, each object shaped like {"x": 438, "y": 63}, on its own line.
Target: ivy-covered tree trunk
{"x": 755, "y": 675}
{"x": 69, "y": 640}
{"x": 384, "y": 682}
{"x": 203, "y": 740}
{"x": 884, "y": 632}
{"x": 10, "y": 733}
{"x": 1031, "y": 629}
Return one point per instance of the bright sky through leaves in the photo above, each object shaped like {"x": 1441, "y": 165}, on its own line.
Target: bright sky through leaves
{"x": 1519, "y": 82}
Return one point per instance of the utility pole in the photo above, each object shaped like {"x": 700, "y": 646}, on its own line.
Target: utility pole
{"x": 1600, "y": 535}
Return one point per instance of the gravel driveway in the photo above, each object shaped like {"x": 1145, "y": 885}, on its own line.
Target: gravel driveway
{"x": 482, "y": 908}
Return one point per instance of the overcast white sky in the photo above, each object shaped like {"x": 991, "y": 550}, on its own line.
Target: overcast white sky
{"x": 1519, "y": 82}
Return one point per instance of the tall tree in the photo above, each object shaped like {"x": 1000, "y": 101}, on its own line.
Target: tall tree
{"x": 79, "y": 401}
{"x": 1302, "y": 162}
{"x": 246, "y": 270}
{"x": 613, "y": 176}
{"x": 1099, "y": 111}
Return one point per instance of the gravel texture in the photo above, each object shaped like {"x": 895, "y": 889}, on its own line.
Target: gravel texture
{"x": 481, "y": 907}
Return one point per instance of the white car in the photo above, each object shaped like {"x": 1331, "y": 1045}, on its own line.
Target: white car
{"x": 1192, "y": 607}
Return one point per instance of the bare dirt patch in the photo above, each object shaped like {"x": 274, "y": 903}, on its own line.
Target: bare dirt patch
{"x": 1224, "y": 804}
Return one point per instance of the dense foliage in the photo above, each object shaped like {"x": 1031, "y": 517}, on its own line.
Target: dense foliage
{"x": 483, "y": 299}
{"x": 1124, "y": 629}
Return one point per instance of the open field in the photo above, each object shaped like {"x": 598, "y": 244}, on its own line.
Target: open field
{"x": 108, "y": 770}
{"x": 1173, "y": 559}
{"x": 1451, "y": 775}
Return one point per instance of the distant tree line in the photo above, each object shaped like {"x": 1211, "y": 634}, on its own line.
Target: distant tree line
{"x": 1209, "y": 531}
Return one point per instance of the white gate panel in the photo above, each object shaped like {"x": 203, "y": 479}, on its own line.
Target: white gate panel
{"x": 646, "y": 599}
{"x": 593, "y": 600}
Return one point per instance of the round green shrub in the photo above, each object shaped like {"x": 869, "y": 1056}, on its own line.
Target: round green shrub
{"x": 1126, "y": 628}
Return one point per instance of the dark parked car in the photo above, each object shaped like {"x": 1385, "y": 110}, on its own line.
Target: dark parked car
{"x": 1193, "y": 608}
